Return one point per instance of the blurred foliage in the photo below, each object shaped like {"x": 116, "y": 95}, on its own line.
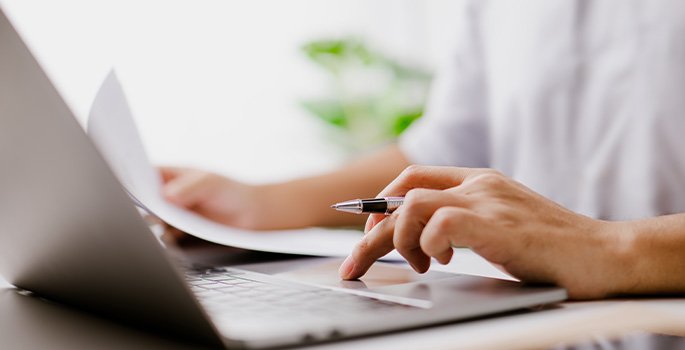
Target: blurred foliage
{"x": 372, "y": 98}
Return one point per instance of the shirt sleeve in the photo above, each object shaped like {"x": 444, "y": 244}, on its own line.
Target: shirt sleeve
{"x": 453, "y": 130}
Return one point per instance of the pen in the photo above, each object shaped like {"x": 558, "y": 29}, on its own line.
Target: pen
{"x": 385, "y": 205}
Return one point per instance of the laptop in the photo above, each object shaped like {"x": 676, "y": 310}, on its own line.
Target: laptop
{"x": 70, "y": 233}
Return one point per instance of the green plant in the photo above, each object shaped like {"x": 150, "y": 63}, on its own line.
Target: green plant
{"x": 372, "y": 98}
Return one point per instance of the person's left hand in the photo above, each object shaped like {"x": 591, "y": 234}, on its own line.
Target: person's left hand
{"x": 508, "y": 224}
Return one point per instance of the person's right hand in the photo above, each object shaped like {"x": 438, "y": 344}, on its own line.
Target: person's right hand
{"x": 213, "y": 196}
{"x": 532, "y": 237}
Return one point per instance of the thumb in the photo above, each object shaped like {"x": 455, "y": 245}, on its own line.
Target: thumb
{"x": 187, "y": 190}
{"x": 169, "y": 173}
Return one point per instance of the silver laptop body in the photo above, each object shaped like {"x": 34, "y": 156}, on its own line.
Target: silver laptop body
{"x": 70, "y": 233}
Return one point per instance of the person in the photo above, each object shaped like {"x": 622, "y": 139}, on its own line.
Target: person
{"x": 552, "y": 145}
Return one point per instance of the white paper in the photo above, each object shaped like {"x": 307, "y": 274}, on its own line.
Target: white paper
{"x": 112, "y": 128}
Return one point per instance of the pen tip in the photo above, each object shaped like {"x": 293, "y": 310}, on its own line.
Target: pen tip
{"x": 334, "y": 206}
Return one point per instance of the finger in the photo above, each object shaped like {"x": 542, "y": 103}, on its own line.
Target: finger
{"x": 372, "y": 221}
{"x": 169, "y": 173}
{"x": 152, "y": 220}
{"x": 174, "y": 232}
{"x": 373, "y": 246}
{"x": 418, "y": 207}
{"x": 431, "y": 177}
{"x": 172, "y": 235}
{"x": 187, "y": 190}
{"x": 449, "y": 227}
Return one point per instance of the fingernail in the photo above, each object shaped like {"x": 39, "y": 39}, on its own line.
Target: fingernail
{"x": 346, "y": 267}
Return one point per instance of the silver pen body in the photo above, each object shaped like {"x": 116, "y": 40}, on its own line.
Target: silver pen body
{"x": 384, "y": 205}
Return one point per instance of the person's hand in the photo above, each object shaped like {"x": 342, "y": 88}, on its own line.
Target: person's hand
{"x": 218, "y": 198}
{"x": 508, "y": 224}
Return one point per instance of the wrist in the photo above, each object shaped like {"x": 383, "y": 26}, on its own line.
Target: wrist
{"x": 622, "y": 257}
{"x": 273, "y": 207}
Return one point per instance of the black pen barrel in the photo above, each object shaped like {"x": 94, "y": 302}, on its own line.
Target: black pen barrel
{"x": 374, "y": 205}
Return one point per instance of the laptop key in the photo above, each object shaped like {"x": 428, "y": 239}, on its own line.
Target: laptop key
{"x": 234, "y": 295}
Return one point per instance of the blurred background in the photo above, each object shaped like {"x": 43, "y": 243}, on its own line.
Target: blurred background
{"x": 260, "y": 90}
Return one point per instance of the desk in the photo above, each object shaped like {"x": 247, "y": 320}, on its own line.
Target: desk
{"x": 31, "y": 323}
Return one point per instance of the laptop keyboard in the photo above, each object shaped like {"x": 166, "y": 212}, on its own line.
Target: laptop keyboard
{"x": 242, "y": 295}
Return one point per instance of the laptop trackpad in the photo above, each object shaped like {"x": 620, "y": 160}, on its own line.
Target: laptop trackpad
{"x": 381, "y": 274}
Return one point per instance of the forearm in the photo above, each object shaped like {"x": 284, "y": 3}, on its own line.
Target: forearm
{"x": 307, "y": 201}
{"x": 656, "y": 255}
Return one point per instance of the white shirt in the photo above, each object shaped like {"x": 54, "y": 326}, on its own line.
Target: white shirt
{"x": 582, "y": 101}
